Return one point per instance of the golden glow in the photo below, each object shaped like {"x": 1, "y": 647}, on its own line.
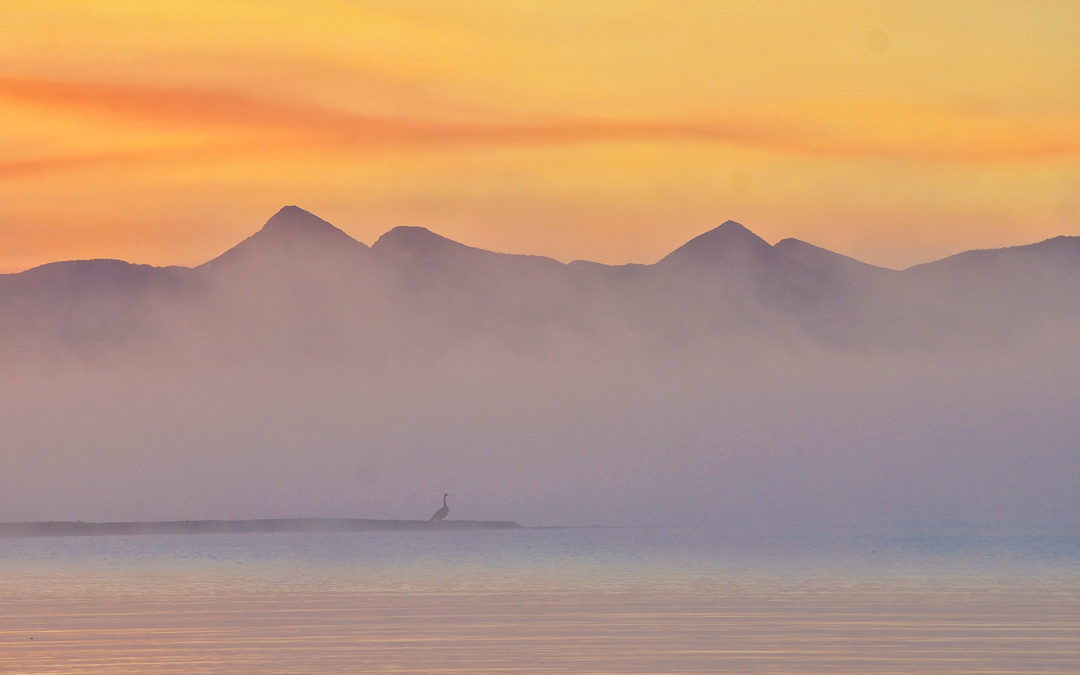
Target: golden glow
{"x": 161, "y": 131}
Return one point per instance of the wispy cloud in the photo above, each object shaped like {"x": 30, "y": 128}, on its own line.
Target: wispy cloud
{"x": 171, "y": 106}
{"x": 293, "y": 125}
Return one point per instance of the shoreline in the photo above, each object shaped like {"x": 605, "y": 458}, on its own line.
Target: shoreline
{"x": 253, "y": 526}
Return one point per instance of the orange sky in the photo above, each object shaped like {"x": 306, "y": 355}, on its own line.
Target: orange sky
{"x": 164, "y": 131}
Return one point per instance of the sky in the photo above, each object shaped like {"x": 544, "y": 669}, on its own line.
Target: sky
{"x": 163, "y": 131}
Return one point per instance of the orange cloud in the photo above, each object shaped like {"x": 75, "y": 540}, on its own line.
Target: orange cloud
{"x": 289, "y": 125}
{"x": 159, "y": 105}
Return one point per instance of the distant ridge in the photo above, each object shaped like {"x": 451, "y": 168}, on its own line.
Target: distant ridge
{"x": 300, "y": 285}
{"x": 1059, "y": 251}
{"x": 415, "y": 238}
{"x": 264, "y": 526}
{"x": 815, "y": 256}
{"x": 96, "y": 271}
{"x": 293, "y": 231}
{"x": 413, "y": 245}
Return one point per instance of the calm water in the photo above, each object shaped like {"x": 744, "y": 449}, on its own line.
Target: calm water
{"x": 531, "y": 601}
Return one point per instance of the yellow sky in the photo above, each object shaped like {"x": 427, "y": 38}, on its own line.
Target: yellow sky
{"x": 163, "y": 131}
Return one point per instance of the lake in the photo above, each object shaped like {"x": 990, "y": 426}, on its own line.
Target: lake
{"x": 585, "y": 600}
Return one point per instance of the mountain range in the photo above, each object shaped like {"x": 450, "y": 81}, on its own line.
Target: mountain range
{"x": 300, "y": 282}
{"x": 733, "y": 383}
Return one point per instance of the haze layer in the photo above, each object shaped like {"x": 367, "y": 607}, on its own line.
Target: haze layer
{"x": 734, "y": 384}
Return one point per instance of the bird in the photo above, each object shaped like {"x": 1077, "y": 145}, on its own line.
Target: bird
{"x": 441, "y": 513}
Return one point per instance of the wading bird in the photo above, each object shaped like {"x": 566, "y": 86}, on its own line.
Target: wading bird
{"x": 441, "y": 513}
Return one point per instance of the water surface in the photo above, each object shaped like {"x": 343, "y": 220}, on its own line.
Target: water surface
{"x": 588, "y": 600}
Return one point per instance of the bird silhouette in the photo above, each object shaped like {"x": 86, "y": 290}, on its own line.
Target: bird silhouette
{"x": 441, "y": 513}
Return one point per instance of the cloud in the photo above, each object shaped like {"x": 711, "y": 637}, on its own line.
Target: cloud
{"x": 185, "y": 107}
{"x": 843, "y": 132}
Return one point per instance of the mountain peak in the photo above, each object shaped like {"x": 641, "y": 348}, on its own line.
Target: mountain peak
{"x": 728, "y": 240}
{"x": 732, "y": 225}
{"x": 424, "y": 247}
{"x": 295, "y": 233}
{"x": 293, "y": 220}
{"x": 732, "y": 230}
{"x": 414, "y": 237}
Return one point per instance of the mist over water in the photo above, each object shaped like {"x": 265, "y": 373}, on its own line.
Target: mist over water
{"x": 728, "y": 388}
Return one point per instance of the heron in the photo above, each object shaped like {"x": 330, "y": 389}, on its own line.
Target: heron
{"x": 441, "y": 513}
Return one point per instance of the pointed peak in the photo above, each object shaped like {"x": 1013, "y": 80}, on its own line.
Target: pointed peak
{"x": 729, "y": 238}
{"x": 732, "y": 225}
{"x": 294, "y": 233}
{"x": 733, "y": 228}
{"x": 729, "y": 233}
{"x": 293, "y": 225}
{"x": 292, "y": 218}
{"x": 293, "y": 209}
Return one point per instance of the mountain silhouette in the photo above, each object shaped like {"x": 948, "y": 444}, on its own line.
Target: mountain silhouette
{"x": 1007, "y": 291}
{"x": 292, "y": 237}
{"x": 835, "y": 264}
{"x": 416, "y": 250}
{"x": 421, "y": 242}
{"x": 730, "y": 244}
{"x": 299, "y": 282}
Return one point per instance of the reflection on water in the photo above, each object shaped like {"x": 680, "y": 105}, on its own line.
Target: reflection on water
{"x": 588, "y": 600}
